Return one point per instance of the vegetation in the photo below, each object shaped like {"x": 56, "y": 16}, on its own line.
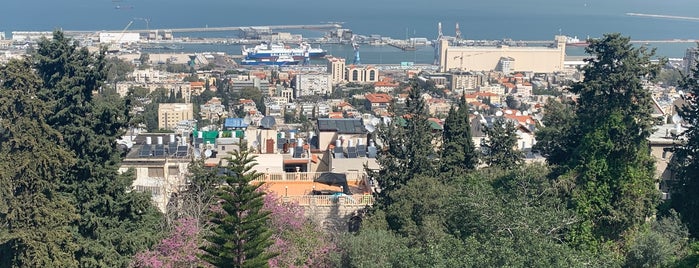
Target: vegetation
{"x": 239, "y": 236}
{"x": 685, "y": 158}
{"x": 458, "y": 151}
{"x": 593, "y": 204}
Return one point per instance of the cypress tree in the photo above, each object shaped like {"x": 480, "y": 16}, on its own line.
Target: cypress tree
{"x": 685, "y": 190}
{"x": 610, "y": 163}
{"x": 239, "y": 237}
{"x": 114, "y": 223}
{"x": 458, "y": 151}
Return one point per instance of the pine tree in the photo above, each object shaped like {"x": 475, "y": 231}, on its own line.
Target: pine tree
{"x": 610, "y": 165}
{"x": 458, "y": 151}
{"x": 406, "y": 146}
{"x": 239, "y": 236}
{"x": 34, "y": 216}
{"x": 500, "y": 149}
{"x": 114, "y": 224}
{"x": 685, "y": 190}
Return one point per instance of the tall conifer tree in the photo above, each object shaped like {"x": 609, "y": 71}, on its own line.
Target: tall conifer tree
{"x": 114, "y": 223}
{"x": 458, "y": 151}
{"x": 407, "y": 146}
{"x": 34, "y": 216}
{"x": 239, "y": 237}
{"x": 610, "y": 164}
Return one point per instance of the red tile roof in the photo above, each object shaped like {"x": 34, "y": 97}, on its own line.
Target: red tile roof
{"x": 378, "y": 98}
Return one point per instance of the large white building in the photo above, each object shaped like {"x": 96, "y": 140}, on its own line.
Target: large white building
{"x": 503, "y": 58}
{"x": 119, "y": 38}
{"x": 312, "y": 84}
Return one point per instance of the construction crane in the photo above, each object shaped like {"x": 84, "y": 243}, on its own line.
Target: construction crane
{"x": 115, "y": 45}
{"x": 355, "y": 46}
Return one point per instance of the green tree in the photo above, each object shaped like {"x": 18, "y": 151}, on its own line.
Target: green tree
{"x": 558, "y": 120}
{"x": 117, "y": 69}
{"x": 685, "y": 190}
{"x": 663, "y": 243}
{"x": 36, "y": 218}
{"x": 610, "y": 163}
{"x": 114, "y": 224}
{"x": 239, "y": 235}
{"x": 407, "y": 147}
{"x": 500, "y": 149}
{"x": 458, "y": 151}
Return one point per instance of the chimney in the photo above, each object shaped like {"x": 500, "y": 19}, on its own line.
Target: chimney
{"x": 172, "y": 138}
{"x": 349, "y": 143}
{"x": 149, "y": 140}
{"x": 160, "y": 140}
{"x": 184, "y": 140}
{"x": 200, "y": 134}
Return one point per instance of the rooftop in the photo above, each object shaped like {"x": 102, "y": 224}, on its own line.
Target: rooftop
{"x": 342, "y": 126}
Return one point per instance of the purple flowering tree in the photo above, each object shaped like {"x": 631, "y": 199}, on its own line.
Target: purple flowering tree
{"x": 178, "y": 249}
{"x": 298, "y": 241}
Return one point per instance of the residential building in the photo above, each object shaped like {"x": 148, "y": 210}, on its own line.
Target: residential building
{"x": 377, "y": 100}
{"x": 313, "y": 84}
{"x": 361, "y": 74}
{"x": 465, "y": 81}
{"x": 213, "y": 110}
{"x": 336, "y": 68}
{"x": 169, "y": 114}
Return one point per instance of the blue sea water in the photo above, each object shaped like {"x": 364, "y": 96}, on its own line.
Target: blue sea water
{"x": 493, "y": 19}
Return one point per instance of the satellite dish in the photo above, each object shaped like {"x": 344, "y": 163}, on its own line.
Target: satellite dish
{"x": 518, "y": 113}
{"x": 375, "y": 121}
{"x": 255, "y": 144}
{"x": 676, "y": 119}
{"x": 680, "y": 92}
{"x": 247, "y": 120}
{"x": 370, "y": 128}
{"x": 268, "y": 122}
{"x": 475, "y": 113}
{"x": 508, "y": 111}
{"x": 498, "y": 113}
{"x": 208, "y": 153}
{"x": 525, "y": 113}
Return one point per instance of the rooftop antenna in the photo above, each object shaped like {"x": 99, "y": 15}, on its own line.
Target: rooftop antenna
{"x": 439, "y": 30}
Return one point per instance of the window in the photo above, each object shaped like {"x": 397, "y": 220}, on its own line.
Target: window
{"x": 372, "y": 75}
{"x": 173, "y": 171}
{"x": 355, "y": 75}
{"x": 156, "y": 172}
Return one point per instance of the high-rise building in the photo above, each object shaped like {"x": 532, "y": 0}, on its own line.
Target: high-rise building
{"x": 336, "y": 67}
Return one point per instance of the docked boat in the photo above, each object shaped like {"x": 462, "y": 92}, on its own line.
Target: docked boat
{"x": 282, "y": 60}
{"x": 575, "y": 42}
{"x": 272, "y": 51}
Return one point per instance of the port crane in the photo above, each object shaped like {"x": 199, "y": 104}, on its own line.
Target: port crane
{"x": 355, "y": 46}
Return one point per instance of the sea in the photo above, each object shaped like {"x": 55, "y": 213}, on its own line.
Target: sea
{"x": 478, "y": 20}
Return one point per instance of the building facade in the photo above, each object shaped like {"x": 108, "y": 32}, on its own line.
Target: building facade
{"x": 169, "y": 114}
{"x": 336, "y": 68}
{"x": 361, "y": 74}
{"x": 474, "y": 58}
{"x": 313, "y": 84}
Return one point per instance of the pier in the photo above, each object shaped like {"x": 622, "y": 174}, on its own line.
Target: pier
{"x": 327, "y": 26}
